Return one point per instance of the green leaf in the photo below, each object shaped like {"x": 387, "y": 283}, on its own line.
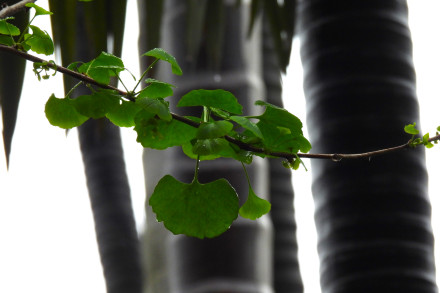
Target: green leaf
{"x": 165, "y": 56}
{"x": 247, "y": 124}
{"x": 210, "y": 146}
{"x": 38, "y": 10}
{"x": 123, "y": 115}
{"x": 254, "y": 207}
{"x": 277, "y": 138}
{"x": 426, "y": 141}
{"x": 220, "y": 113}
{"x": 160, "y": 107}
{"x": 96, "y": 105}
{"x": 280, "y": 117}
{"x": 187, "y": 149}
{"x": 411, "y": 129}
{"x": 229, "y": 151}
{"x": 195, "y": 209}
{"x": 438, "y": 128}
{"x": 159, "y": 134}
{"x": 107, "y": 61}
{"x": 214, "y": 129}
{"x": 7, "y": 28}
{"x": 6, "y": 40}
{"x": 62, "y": 113}
{"x": 220, "y": 99}
{"x": 39, "y": 41}
{"x": 102, "y": 67}
{"x": 74, "y": 65}
{"x": 282, "y": 131}
{"x": 156, "y": 89}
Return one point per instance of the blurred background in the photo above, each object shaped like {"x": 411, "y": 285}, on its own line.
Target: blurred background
{"x": 47, "y": 241}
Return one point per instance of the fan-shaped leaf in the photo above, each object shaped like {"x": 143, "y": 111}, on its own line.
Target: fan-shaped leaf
{"x": 220, "y": 99}
{"x": 195, "y": 209}
{"x": 165, "y": 56}
{"x": 62, "y": 113}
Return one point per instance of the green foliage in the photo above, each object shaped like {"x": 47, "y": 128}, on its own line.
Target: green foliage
{"x": 411, "y": 129}
{"x": 96, "y": 105}
{"x": 38, "y": 10}
{"x": 159, "y": 107}
{"x": 218, "y": 99}
{"x": 123, "y": 115}
{"x": 214, "y": 129}
{"x": 424, "y": 140}
{"x": 161, "y": 54}
{"x": 102, "y": 68}
{"x": 199, "y": 210}
{"x": 62, "y": 113}
{"x": 195, "y": 209}
{"x": 160, "y": 134}
{"x": 254, "y": 207}
{"x": 38, "y": 41}
{"x": 156, "y": 89}
{"x": 7, "y": 28}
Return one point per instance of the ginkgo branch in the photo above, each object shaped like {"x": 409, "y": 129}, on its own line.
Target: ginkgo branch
{"x": 13, "y": 9}
{"x": 244, "y": 146}
{"x": 61, "y": 69}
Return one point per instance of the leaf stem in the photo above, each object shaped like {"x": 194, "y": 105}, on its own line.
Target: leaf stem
{"x": 73, "y": 88}
{"x": 145, "y": 73}
{"x": 247, "y": 175}
{"x": 196, "y": 171}
{"x": 120, "y": 80}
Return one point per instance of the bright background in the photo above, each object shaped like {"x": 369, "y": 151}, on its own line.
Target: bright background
{"x": 47, "y": 240}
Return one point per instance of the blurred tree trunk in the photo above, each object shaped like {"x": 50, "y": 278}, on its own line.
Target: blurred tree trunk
{"x": 286, "y": 274}
{"x": 241, "y": 260}
{"x": 11, "y": 85}
{"x": 209, "y": 40}
{"x": 372, "y": 216}
{"x": 82, "y": 30}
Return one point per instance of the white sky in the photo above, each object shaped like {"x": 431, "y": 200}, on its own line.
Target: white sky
{"x": 47, "y": 233}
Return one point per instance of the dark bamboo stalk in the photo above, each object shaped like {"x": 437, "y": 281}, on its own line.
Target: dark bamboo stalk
{"x": 373, "y": 217}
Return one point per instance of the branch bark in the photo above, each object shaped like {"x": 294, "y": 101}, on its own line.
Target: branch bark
{"x": 13, "y": 9}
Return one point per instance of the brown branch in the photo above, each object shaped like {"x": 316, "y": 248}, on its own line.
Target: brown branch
{"x": 288, "y": 156}
{"x": 434, "y": 138}
{"x": 61, "y": 69}
{"x": 13, "y": 9}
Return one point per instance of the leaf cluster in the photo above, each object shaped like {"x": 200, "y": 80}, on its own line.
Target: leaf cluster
{"x": 222, "y": 131}
{"x": 195, "y": 209}
{"x": 38, "y": 41}
{"x": 424, "y": 140}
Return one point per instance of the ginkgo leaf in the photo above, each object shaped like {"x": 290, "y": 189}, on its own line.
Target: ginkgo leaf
{"x": 411, "y": 129}
{"x": 8, "y": 29}
{"x": 38, "y": 10}
{"x": 214, "y": 129}
{"x": 39, "y": 41}
{"x": 254, "y": 207}
{"x": 165, "y": 56}
{"x": 195, "y": 209}
{"x": 220, "y": 99}
{"x": 62, "y": 113}
{"x": 123, "y": 115}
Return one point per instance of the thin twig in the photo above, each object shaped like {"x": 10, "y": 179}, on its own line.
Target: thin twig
{"x": 288, "y": 156}
{"x": 13, "y": 9}
{"x": 61, "y": 69}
